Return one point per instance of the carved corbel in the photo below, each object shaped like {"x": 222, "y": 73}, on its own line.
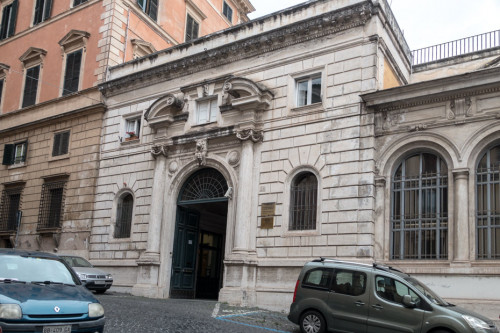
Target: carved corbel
{"x": 250, "y": 134}
{"x": 158, "y": 150}
{"x": 201, "y": 151}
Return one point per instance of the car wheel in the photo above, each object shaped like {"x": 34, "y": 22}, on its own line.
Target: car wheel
{"x": 312, "y": 322}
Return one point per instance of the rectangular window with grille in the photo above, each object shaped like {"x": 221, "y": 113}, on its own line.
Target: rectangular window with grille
{"x": 10, "y": 208}
{"x": 9, "y": 16}
{"x": 51, "y": 205}
{"x": 72, "y": 73}
{"x": 61, "y": 144}
{"x": 42, "y": 11}
{"x": 303, "y": 202}
{"x": 192, "y": 28}
{"x": 31, "y": 86}
{"x": 15, "y": 153}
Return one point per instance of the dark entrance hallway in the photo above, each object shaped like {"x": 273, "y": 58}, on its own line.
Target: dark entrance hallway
{"x": 200, "y": 236}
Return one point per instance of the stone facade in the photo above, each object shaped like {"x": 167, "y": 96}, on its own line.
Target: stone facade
{"x": 260, "y": 140}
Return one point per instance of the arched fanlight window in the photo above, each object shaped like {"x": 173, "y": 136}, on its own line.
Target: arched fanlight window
{"x": 488, "y": 205}
{"x": 419, "y": 217}
{"x": 204, "y": 185}
{"x": 303, "y": 201}
{"x": 124, "y": 216}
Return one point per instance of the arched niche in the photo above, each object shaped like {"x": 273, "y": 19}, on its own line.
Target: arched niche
{"x": 244, "y": 94}
{"x": 165, "y": 111}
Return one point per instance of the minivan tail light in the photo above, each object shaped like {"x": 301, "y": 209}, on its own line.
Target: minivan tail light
{"x": 295, "y": 292}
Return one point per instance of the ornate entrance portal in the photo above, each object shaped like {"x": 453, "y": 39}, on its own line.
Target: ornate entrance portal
{"x": 200, "y": 234}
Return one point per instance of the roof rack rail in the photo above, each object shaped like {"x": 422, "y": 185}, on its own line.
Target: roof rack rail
{"x": 386, "y": 268}
{"x": 323, "y": 259}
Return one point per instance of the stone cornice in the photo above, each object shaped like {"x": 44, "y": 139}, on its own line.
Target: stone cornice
{"x": 309, "y": 29}
{"x": 435, "y": 91}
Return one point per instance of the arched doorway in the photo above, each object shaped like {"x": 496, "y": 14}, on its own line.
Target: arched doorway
{"x": 200, "y": 235}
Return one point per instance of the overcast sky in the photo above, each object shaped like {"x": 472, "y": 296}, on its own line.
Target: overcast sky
{"x": 424, "y": 22}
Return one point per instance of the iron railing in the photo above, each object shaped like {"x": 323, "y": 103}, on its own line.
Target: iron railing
{"x": 464, "y": 46}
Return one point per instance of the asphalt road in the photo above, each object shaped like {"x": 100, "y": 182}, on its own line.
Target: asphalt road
{"x": 125, "y": 313}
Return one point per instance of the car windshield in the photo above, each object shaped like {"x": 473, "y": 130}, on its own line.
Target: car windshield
{"x": 31, "y": 269}
{"x": 77, "y": 262}
{"x": 431, "y": 296}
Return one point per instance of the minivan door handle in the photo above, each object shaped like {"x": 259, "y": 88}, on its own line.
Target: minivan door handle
{"x": 377, "y": 306}
{"x": 359, "y": 303}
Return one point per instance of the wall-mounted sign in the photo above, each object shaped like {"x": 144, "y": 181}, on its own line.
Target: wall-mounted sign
{"x": 267, "y": 212}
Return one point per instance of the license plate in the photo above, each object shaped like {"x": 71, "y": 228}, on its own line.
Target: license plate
{"x": 99, "y": 282}
{"x": 57, "y": 329}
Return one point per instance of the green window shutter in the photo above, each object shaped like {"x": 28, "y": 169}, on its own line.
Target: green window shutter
{"x": 189, "y": 27}
{"x": 72, "y": 74}
{"x": 31, "y": 86}
{"x": 8, "y": 154}
{"x": 48, "y": 9}
{"x": 38, "y": 12}
{"x": 57, "y": 144}
{"x": 153, "y": 9}
{"x": 13, "y": 17}
{"x": 64, "y": 143}
{"x": 142, "y": 4}
{"x": 196, "y": 27}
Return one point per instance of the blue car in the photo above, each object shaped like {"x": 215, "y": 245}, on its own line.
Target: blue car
{"x": 40, "y": 293}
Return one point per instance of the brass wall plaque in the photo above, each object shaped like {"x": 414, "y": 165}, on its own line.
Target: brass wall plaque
{"x": 268, "y": 209}
{"x": 267, "y": 223}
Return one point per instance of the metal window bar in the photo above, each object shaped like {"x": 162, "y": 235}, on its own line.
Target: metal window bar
{"x": 303, "y": 205}
{"x": 488, "y": 209}
{"x": 10, "y": 205}
{"x": 419, "y": 221}
{"x": 51, "y": 205}
{"x": 485, "y": 41}
{"x": 124, "y": 217}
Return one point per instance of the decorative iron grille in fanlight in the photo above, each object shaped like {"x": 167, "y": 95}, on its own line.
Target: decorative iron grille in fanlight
{"x": 204, "y": 185}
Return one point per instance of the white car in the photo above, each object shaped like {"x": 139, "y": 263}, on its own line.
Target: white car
{"x": 93, "y": 278}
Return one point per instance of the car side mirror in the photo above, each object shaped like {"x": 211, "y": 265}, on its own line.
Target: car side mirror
{"x": 408, "y": 303}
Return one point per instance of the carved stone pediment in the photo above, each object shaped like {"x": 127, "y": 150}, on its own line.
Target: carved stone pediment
{"x": 33, "y": 56}
{"x": 3, "y": 69}
{"x": 244, "y": 94}
{"x": 165, "y": 111}
{"x": 73, "y": 40}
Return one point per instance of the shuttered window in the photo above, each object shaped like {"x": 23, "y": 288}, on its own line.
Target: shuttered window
{"x": 207, "y": 111}
{"x": 78, "y": 2}
{"x": 227, "y": 11}
{"x": 61, "y": 144}
{"x": 124, "y": 216}
{"x": 9, "y": 16}
{"x": 15, "y": 153}
{"x": 42, "y": 11}
{"x": 1, "y": 91}
{"x": 72, "y": 74}
{"x": 149, "y": 7}
{"x": 31, "y": 86}
{"x": 192, "y": 28}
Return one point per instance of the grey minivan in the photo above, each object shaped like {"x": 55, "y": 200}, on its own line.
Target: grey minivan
{"x": 341, "y": 296}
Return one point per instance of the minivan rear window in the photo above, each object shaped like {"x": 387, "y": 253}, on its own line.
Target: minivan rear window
{"x": 319, "y": 278}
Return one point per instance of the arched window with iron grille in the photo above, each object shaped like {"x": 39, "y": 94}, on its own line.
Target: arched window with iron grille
{"x": 303, "y": 202}
{"x": 488, "y": 205}
{"x": 124, "y": 211}
{"x": 419, "y": 212}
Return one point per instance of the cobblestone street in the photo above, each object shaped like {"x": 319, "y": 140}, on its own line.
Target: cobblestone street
{"x": 125, "y": 313}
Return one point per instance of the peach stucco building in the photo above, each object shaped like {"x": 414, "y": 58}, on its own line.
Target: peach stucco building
{"x": 53, "y": 54}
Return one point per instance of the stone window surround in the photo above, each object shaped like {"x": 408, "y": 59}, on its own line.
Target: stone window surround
{"x": 59, "y": 157}
{"x": 71, "y": 42}
{"x": 118, "y": 196}
{"x": 4, "y": 69}
{"x": 285, "y": 217}
{"x": 32, "y": 24}
{"x": 455, "y": 197}
{"x": 141, "y": 48}
{"x": 31, "y": 58}
{"x": 197, "y": 15}
{"x": 123, "y": 126}
{"x": 228, "y": 19}
{"x": 201, "y": 92}
{"x": 292, "y": 89}
{"x": 210, "y": 99}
